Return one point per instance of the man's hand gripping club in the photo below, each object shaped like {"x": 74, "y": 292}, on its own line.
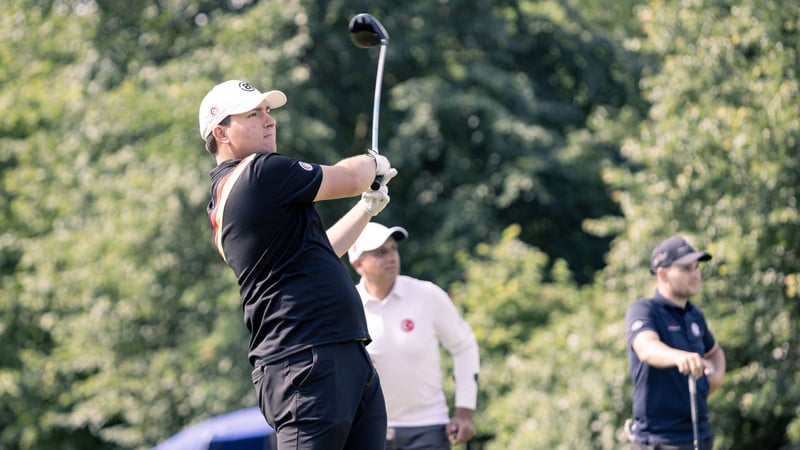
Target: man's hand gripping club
{"x": 382, "y": 169}
{"x": 374, "y": 200}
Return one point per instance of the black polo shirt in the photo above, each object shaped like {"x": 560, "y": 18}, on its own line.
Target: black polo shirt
{"x": 661, "y": 403}
{"x": 296, "y": 292}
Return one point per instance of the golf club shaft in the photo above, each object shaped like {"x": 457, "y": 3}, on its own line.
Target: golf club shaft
{"x": 376, "y": 108}
{"x": 366, "y": 31}
{"x": 693, "y": 406}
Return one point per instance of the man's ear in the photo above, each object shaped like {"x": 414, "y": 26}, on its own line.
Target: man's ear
{"x": 221, "y": 134}
{"x": 356, "y": 265}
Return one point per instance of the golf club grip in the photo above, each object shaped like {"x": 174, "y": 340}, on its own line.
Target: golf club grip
{"x": 376, "y": 184}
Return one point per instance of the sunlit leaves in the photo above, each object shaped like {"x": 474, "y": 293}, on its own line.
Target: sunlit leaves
{"x": 718, "y": 162}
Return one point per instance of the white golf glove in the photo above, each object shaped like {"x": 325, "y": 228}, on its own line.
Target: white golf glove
{"x": 382, "y": 165}
{"x": 373, "y": 202}
{"x": 388, "y": 177}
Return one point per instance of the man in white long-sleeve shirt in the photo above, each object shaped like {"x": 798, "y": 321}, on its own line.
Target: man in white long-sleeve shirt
{"x": 408, "y": 319}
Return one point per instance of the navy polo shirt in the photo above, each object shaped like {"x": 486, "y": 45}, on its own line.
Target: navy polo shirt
{"x": 661, "y": 403}
{"x": 296, "y": 292}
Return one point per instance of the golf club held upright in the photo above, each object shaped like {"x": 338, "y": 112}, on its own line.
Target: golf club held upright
{"x": 366, "y": 31}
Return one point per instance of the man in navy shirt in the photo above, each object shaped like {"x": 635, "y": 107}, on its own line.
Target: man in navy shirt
{"x": 315, "y": 382}
{"x": 669, "y": 341}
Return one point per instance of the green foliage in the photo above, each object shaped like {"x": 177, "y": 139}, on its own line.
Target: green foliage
{"x": 718, "y": 162}
{"x": 504, "y": 295}
{"x": 118, "y": 322}
{"x": 550, "y": 374}
{"x": 481, "y": 134}
{"x": 524, "y": 147}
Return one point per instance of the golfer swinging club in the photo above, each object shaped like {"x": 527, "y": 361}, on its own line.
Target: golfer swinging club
{"x": 668, "y": 340}
{"x": 315, "y": 382}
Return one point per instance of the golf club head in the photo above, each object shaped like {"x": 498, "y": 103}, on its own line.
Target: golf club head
{"x": 366, "y": 31}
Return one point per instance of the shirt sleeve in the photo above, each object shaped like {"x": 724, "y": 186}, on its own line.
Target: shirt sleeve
{"x": 638, "y": 319}
{"x": 457, "y": 338}
{"x": 286, "y": 180}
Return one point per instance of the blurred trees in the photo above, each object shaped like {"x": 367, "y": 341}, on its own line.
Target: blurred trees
{"x": 718, "y": 161}
{"x": 480, "y": 114}
{"x": 116, "y": 325}
{"x": 528, "y": 135}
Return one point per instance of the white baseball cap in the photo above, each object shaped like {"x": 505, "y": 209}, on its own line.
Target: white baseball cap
{"x": 373, "y": 236}
{"x": 233, "y": 97}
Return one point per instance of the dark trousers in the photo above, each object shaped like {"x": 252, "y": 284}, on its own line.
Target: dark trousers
{"x": 324, "y": 398}
{"x": 707, "y": 444}
{"x": 417, "y": 438}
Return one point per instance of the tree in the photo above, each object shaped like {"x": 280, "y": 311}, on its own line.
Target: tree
{"x": 113, "y": 328}
{"x": 119, "y": 324}
{"x": 480, "y": 113}
{"x": 718, "y": 162}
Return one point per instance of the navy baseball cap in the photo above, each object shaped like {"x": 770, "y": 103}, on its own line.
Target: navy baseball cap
{"x": 675, "y": 250}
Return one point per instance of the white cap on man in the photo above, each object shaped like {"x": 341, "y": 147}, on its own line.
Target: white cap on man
{"x": 233, "y": 97}
{"x": 373, "y": 236}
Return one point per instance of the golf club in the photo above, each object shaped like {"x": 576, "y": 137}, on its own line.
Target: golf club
{"x": 693, "y": 406}
{"x": 366, "y": 31}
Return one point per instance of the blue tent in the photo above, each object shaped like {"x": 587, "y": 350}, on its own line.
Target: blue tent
{"x": 244, "y": 429}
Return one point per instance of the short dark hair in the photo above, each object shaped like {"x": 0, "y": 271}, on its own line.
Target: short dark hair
{"x": 211, "y": 141}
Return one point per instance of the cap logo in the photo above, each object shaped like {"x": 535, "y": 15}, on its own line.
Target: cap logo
{"x": 660, "y": 258}
{"x": 214, "y": 110}
{"x": 245, "y": 86}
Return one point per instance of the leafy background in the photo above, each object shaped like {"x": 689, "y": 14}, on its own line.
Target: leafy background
{"x": 544, "y": 148}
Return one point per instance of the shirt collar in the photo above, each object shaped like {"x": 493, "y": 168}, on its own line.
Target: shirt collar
{"x": 660, "y": 299}
{"x": 395, "y": 293}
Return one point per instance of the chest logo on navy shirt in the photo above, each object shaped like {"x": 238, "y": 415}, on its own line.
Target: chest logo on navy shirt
{"x": 673, "y": 327}
{"x": 695, "y": 329}
{"x": 305, "y": 165}
{"x": 407, "y": 325}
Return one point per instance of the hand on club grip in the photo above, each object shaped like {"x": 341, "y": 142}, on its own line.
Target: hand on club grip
{"x": 382, "y": 165}
{"x": 384, "y": 180}
{"x": 373, "y": 202}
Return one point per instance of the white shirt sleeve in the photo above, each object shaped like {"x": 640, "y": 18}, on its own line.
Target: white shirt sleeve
{"x": 457, "y": 338}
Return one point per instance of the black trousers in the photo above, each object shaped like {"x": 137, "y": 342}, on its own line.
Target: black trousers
{"x": 324, "y": 398}
{"x": 707, "y": 444}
